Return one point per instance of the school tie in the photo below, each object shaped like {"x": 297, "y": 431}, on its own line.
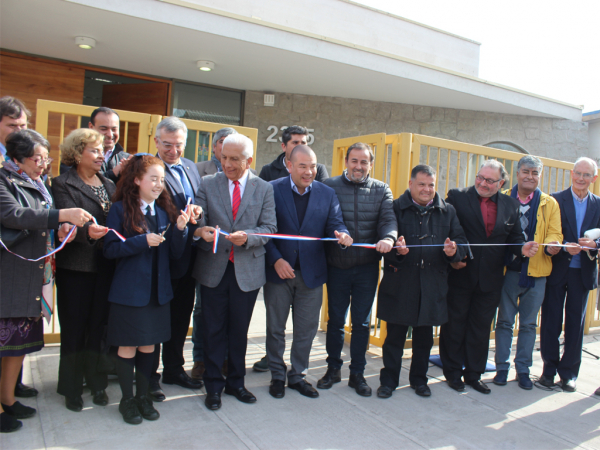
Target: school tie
{"x": 148, "y": 210}
{"x": 235, "y": 204}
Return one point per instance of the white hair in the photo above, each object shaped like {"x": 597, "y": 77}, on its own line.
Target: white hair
{"x": 171, "y": 124}
{"x": 590, "y": 161}
{"x": 242, "y": 140}
{"x": 495, "y": 164}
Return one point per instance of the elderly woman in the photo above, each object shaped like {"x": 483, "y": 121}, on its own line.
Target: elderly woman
{"x": 83, "y": 275}
{"x": 25, "y": 204}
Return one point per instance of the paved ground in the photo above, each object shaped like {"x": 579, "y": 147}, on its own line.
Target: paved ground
{"x": 508, "y": 418}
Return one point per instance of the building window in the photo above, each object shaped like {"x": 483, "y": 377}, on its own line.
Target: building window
{"x": 504, "y": 145}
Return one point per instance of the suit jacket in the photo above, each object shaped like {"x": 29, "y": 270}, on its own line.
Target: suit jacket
{"x": 179, "y": 267}
{"x": 561, "y": 261}
{"x": 256, "y": 214}
{"x": 210, "y": 168}
{"x": 132, "y": 282}
{"x": 486, "y": 266}
{"x": 21, "y": 281}
{"x": 323, "y": 217}
{"x": 276, "y": 169}
{"x": 70, "y": 191}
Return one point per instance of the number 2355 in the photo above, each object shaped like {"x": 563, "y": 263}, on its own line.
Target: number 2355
{"x": 310, "y": 138}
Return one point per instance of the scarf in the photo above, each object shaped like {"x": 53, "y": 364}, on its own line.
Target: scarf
{"x": 218, "y": 163}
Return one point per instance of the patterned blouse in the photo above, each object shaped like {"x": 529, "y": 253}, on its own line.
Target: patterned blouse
{"x": 102, "y": 195}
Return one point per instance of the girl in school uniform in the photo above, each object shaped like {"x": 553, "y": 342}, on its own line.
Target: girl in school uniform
{"x": 139, "y": 318}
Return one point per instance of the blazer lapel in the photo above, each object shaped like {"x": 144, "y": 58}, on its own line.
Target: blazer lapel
{"x": 74, "y": 180}
{"x": 474, "y": 202}
{"x": 249, "y": 191}
{"x": 590, "y": 214}
{"x": 570, "y": 211}
{"x": 501, "y": 214}
{"x": 174, "y": 187}
{"x": 223, "y": 192}
{"x": 288, "y": 200}
{"x": 188, "y": 167}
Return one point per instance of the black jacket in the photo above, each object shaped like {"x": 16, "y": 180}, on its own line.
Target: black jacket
{"x": 107, "y": 168}
{"x": 486, "y": 267}
{"x": 368, "y": 215}
{"x": 414, "y": 286}
{"x": 276, "y": 169}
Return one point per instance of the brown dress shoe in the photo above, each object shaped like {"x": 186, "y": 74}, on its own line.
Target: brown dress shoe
{"x": 198, "y": 370}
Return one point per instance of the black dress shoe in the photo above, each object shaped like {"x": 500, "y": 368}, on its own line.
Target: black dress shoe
{"x": 384, "y": 391}
{"x": 130, "y": 412}
{"x": 100, "y": 398}
{"x": 422, "y": 390}
{"x": 155, "y": 392}
{"x": 23, "y": 391}
{"x": 358, "y": 382}
{"x": 213, "y": 401}
{"x": 546, "y": 381}
{"x": 480, "y": 386}
{"x": 182, "y": 379}
{"x": 19, "y": 411}
{"x": 146, "y": 409}
{"x": 8, "y": 423}
{"x": 277, "y": 388}
{"x": 331, "y": 376}
{"x": 568, "y": 385}
{"x": 241, "y": 393}
{"x": 304, "y": 388}
{"x": 74, "y": 403}
{"x": 457, "y": 384}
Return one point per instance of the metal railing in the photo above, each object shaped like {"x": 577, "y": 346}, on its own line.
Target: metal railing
{"x": 456, "y": 165}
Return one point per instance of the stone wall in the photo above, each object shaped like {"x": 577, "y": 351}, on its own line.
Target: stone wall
{"x": 334, "y": 118}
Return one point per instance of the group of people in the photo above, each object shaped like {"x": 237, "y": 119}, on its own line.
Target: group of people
{"x": 158, "y": 238}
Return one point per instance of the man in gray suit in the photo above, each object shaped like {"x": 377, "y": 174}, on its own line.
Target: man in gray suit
{"x": 242, "y": 205}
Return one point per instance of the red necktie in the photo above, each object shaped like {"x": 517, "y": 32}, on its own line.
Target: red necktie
{"x": 235, "y": 204}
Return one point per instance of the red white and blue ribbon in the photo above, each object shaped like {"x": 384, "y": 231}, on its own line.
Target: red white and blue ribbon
{"x": 119, "y": 235}
{"x": 56, "y": 250}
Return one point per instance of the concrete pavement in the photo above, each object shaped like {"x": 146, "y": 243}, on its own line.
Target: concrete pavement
{"x": 508, "y": 418}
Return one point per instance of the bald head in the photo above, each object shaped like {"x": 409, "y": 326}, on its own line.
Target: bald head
{"x": 302, "y": 150}
{"x": 302, "y": 166}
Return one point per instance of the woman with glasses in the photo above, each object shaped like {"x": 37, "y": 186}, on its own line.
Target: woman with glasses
{"x": 83, "y": 275}
{"x": 28, "y": 219}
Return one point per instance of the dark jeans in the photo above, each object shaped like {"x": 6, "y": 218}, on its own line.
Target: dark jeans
{"x": 359, "y": 284}
{"x": 393, "y": 349}
{"x": 82, "y": 305}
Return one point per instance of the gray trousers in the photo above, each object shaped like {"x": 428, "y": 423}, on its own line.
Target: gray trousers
{"x": 306, "y": 308}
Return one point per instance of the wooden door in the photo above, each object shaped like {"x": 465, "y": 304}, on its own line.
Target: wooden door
{"x": 149, "y": 98}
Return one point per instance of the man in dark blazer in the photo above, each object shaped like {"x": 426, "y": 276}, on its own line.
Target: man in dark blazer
{"x": 574, "y": 274}
{"x": 290, "y": 138}
{"x": 487, "y": 217}
{"x": 182, "y": 181}
{"x": 242, "y": 205}
{"x": 297, "y": 270}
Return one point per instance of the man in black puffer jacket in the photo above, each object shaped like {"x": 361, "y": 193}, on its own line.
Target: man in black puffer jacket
{"x": 353, "y": 272}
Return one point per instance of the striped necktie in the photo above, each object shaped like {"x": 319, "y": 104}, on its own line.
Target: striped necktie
{"x": 235, "y": 204}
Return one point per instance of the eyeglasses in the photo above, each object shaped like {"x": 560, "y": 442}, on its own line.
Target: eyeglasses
{"x": 96, "y": 152}
{"x": 168, "y": 146}
{"x": 585, "y": 176}
{"x": 40, "y": 162}
{"x": 487, "y": 180}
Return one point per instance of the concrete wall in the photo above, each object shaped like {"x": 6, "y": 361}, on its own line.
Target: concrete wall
{"x": 334, "y": 118}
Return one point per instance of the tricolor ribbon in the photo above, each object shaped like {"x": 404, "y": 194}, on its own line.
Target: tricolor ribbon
{"x": 119, "y": 235}
{"x": 56, "y": 250}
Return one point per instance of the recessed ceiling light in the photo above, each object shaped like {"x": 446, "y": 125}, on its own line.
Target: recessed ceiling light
{"x": 85, "y": 42}
{"x": 205, "y": 66}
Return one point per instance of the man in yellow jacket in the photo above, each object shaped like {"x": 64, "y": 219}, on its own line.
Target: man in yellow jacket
{"x": 525, "y": 279}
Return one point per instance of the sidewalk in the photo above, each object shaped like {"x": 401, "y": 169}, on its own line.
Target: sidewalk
{"x": 508, "y": 418}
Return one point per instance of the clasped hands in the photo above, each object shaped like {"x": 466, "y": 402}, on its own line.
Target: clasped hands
{"x": 582, "y": 244}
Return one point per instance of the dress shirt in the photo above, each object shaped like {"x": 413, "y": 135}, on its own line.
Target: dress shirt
{"x": 243, "y": 182}
{"x": 144, "y": 205}
{"x": 580, "y": 210}
{"x": 527, "y": 199}
{"x": 108, "y": 154}
{"x": 295, "y": 188}
{"x": 489, "y": 212}
{"x": 3, "y": 150}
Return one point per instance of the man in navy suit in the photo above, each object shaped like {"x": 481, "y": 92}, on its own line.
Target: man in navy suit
{"x": 574, "y": 274}
{"x": 182, "y": 180}
{"x": 297, "y": 270}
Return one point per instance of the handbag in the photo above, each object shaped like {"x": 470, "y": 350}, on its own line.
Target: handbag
{"x": 12, "y": 236}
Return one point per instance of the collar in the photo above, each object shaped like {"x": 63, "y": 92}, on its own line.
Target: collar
{"x": 242, "y": 181}
{"x": 428, "y": 204}
{"x": 295, "y": 188}
{"x": 144, "y": 205}
{"x": 217, "y": 163}
{"x": 579, "y": 199}
{"x": 527, "y": 199}
{"x": 493, "y": 198}
{"x": 345, "y": 174}
{"x": 2, "y": 149}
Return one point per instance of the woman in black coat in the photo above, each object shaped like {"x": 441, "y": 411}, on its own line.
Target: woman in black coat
{"x": 413, "y": 290}
{"x": 26, "y": 286}
{"x": 83, "y": 274}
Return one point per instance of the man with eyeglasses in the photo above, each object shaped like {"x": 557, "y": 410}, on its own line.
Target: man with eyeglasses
{"x": 574, "y": 274}
{"x": 13, "y": 117}
{"x": 474, "y": 285}
{"x": 525, "y": 280}
{"x": 182, "y": 180}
